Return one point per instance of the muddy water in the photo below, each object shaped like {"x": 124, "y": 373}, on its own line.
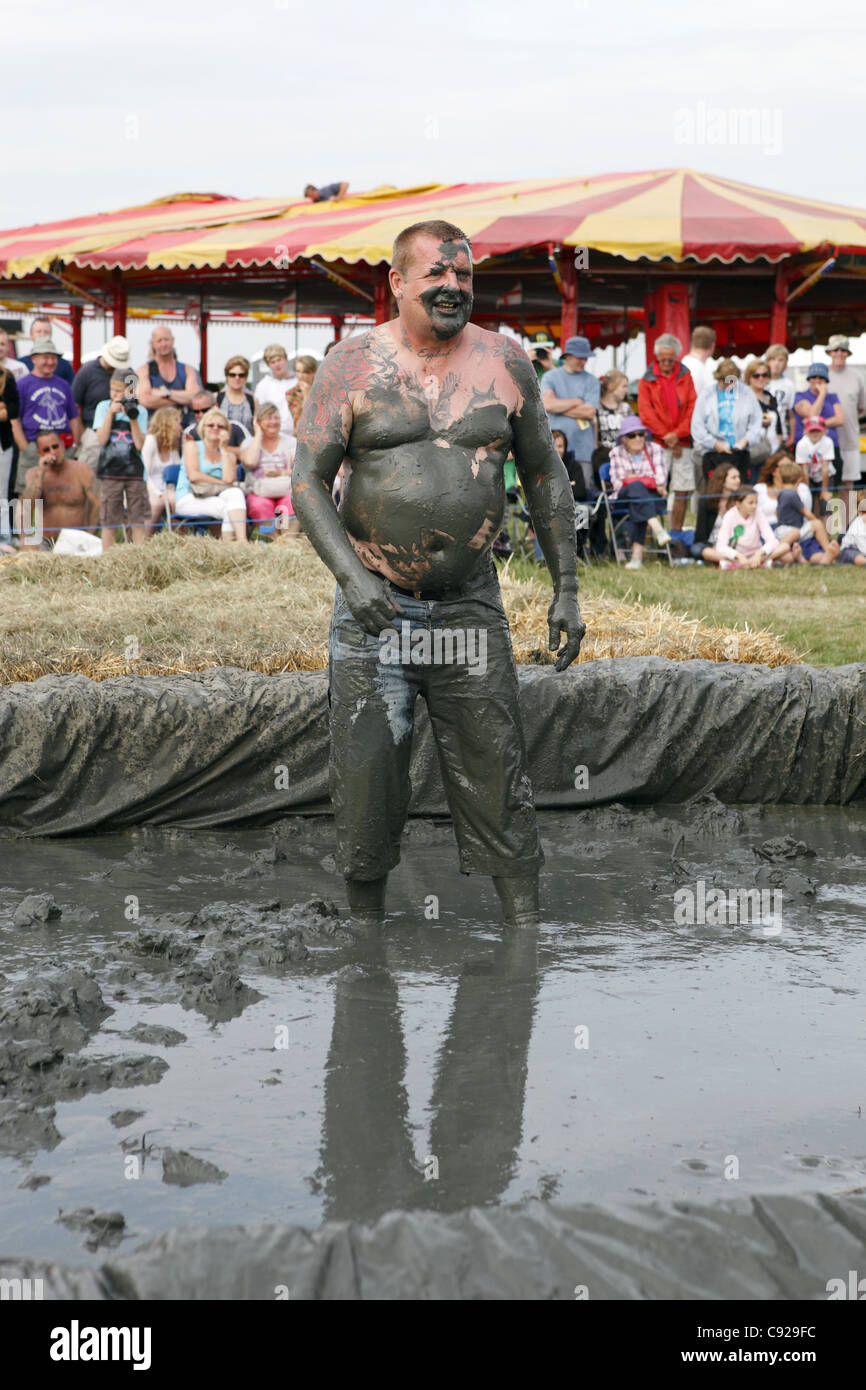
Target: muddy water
{"x": 184, "y": 1043}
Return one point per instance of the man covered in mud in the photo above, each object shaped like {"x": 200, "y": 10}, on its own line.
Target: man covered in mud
{"x": 421, "y": 413}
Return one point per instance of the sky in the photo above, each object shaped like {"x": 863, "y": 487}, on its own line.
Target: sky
{"x": 102, "y": 106}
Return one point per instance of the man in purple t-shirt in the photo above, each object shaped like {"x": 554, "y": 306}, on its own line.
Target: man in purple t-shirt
{"x": 46, "y": 403}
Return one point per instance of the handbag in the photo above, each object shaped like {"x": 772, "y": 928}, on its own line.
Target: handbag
{"x": 209, "y": 489}
{"x": 119, "y": 459}
{"x": 760, "y": 452}
{"x": 272, "y": 487}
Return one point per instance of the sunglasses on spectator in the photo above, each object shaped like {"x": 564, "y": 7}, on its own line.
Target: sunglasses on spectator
{"x": 760, "y": 376}
{"x": 635, "y": 434}
{"x": 203, "y": 411}
{"x": 235, "y": 373}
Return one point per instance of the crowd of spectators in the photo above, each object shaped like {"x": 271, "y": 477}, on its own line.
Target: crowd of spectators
{"x": 115, "y": 447}
{"x": 763, "y": 464}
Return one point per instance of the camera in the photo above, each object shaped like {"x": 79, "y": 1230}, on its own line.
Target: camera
{"x": 130, "y": 408}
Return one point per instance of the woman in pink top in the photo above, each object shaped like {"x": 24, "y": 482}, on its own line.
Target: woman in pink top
{"x": 746, "y": 539}
{"x": 268, "y": 463}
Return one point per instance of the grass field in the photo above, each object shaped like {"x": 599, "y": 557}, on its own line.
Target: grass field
{"x": 818, "y": 610}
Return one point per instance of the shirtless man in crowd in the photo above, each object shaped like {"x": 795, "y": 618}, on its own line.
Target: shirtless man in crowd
{"x": 65, "y": 487}
{"x": 421, "y": 413}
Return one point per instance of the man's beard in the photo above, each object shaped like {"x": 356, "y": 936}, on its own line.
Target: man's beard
{"x": 449, "y": 324}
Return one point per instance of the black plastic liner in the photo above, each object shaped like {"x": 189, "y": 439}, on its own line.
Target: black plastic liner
{"x": 771, "y": 1247}
{"x": 230, "y": 745}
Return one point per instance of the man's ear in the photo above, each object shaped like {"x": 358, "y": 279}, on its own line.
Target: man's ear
{"x": 395, "y": 280}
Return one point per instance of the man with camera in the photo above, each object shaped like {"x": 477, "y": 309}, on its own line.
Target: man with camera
{"x": 120, "y": 423}
{"x": 90, "y": 386}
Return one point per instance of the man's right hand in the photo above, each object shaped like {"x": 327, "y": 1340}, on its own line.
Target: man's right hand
{"x": 369, "y": 604}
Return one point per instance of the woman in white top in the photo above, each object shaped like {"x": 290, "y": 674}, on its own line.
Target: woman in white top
{"x": 161, "y": 448}
{"x": 272, "y": 389}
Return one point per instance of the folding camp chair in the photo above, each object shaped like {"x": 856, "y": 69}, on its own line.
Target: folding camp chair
{"x": 617, "y": 514}
{"x": 584, "y": 514}
{"x": 518, "y": 525}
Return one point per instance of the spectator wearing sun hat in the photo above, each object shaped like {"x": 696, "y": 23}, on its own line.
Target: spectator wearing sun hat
{"x": 570, "y": 395}
{"x": 46, "y": 403}
{"x": 849, "y": 386}
{"x": 638, "y": 477}
{"x": 90, "y": 386}
{"x": 817, "y": 400}
{"x": 40, "y": 328}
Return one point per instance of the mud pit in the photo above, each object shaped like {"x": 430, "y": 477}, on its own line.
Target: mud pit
{"x": 234, "y": 1056}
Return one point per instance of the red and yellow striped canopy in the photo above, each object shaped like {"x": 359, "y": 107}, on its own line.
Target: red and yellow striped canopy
{"x": 677, "y": 213}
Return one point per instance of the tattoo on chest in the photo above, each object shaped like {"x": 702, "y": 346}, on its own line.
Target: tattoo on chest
{"x": 376, "y": 369}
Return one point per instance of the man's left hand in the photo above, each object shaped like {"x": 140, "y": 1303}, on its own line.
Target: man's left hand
{"x": 564, "y": 615}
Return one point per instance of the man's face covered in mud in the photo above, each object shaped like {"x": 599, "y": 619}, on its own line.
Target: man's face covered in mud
{"x": 437, "y": 289}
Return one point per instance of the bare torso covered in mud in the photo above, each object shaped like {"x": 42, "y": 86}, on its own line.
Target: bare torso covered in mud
{"x": 421, "y": 413}
{"x": 424, "y": 492}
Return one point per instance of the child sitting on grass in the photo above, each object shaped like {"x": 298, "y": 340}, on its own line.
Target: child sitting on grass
{"x": 853, "y": 550}
{"x": 746, "y": 539}
{"x": 792, "y": 511}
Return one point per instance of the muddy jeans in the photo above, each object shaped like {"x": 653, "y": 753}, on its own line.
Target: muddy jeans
{"x": 456, "y": 652}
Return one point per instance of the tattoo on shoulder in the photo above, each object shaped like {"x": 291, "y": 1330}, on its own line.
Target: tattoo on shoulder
{"x": 363, "y": 364}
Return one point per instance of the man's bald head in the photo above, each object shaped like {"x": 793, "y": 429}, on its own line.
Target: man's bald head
{"x": 401, "y": 253}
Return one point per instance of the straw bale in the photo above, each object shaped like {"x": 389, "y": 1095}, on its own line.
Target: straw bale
{"x": 185, "y": 604}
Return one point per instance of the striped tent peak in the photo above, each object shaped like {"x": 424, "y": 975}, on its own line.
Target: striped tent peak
{"x": 655, "y": 213}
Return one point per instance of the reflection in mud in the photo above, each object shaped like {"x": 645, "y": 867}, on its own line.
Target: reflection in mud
{"x": 189, "y": 1035}
{"x": 368, "y": 1161}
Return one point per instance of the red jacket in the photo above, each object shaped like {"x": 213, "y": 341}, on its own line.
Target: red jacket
{"x": 652, "y": 406}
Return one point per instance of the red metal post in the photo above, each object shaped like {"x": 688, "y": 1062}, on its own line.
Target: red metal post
{"x": 118, "y": 303}
{"x": 779, "y": 310}
{"x": 382, "y": 296}
{"x": 204, "y": 317}
{"x": 337, "y": 321}
{"x": 666, "y": 310}
{"x": 568, "y": 293}
{"x": 75, "y": 314}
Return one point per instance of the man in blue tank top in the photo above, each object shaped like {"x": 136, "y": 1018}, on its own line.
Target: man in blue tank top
{"x": 165, "y": 381}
